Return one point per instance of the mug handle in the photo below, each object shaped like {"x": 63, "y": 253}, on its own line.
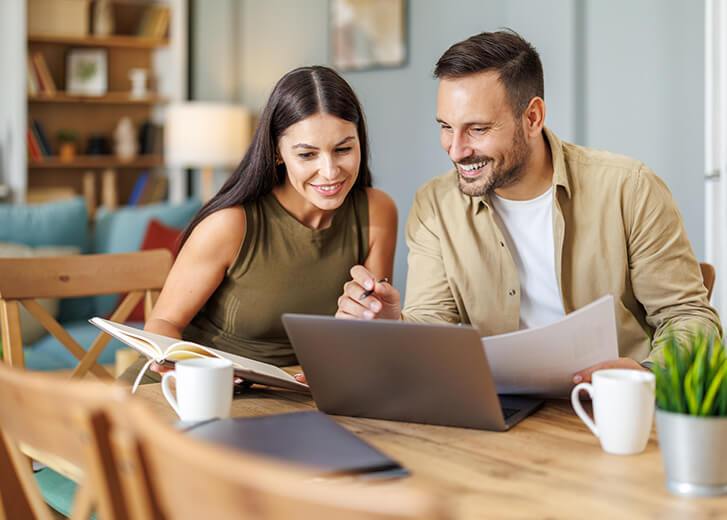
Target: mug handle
{"x": 576, "y": 402}
{"x": 167, "y": 391}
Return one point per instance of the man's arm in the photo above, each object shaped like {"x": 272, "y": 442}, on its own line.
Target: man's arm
{"x": 665, "y": 274}
{"x": 428, "y": 295}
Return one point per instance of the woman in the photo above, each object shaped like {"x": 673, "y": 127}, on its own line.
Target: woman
{"x": 285, "y": 229}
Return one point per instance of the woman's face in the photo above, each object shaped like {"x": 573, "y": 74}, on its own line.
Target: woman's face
{"x": 322, "y": 155}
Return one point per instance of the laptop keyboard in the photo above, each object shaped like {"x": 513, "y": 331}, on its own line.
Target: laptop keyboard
{"x": 509, "y": 412}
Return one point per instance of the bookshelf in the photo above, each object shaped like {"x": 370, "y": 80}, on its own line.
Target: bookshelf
{"x": 102, "y": 178}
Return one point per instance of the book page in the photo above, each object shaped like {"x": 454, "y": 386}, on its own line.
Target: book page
{"x": 256, "y": 367}
{"x": 129, "y": 336}
{"x": 543, "y": 360}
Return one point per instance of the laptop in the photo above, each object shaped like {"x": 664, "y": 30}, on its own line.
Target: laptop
{"x": 382, "y": 369}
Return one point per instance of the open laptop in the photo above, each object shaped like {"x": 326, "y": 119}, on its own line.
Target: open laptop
{"x": 381, "y": 369}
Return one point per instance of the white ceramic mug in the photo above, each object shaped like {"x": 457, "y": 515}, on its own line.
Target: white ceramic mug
{"x": 204, "y": 389}
{"x": 623, "y": 408}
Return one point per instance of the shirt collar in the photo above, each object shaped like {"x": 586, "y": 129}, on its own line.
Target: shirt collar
{"x": 560, "y": 174}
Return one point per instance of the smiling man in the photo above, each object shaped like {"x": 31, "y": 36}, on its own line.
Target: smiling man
{"x": 527, "y": 228}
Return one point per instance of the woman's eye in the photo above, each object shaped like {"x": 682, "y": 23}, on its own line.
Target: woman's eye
{"x": 345, "y": 149}
{"x": 306, "y": 155}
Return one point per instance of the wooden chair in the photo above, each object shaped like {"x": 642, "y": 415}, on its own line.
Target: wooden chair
{"x": 184, "y": 478}
{"x": 708, "y": 275}
{"x": 67, "y": 421}
{"x": 23, "y": 280}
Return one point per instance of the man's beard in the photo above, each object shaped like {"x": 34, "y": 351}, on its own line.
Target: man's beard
{"x": 501, "y": 175}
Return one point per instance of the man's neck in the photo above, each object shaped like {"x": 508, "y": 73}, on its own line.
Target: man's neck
{"x": 537, "y": 177}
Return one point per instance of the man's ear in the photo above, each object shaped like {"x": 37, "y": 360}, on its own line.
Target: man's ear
{"x": 534, "y": 116}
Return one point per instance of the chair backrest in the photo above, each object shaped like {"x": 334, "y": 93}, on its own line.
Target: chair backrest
{"x": 23, "y": 280}
{"x": 708, "y": 275}
{"x": 188, "y": 478}
{"x": 65, "y": 424}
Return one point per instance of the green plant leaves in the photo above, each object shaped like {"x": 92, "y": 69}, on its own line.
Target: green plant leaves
{"x": 693, "y": 379}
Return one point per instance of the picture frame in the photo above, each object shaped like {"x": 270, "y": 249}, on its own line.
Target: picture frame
{"x": 87, "y": 72}
{"x": 367, "y": 34}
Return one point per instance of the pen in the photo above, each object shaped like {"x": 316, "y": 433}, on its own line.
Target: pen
{"x": 369, "y": 292}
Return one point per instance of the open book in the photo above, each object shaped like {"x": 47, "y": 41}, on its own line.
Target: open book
{"x": 162, "y": 348}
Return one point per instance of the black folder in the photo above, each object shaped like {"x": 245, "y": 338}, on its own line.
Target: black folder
{"x": 310, "y": 439}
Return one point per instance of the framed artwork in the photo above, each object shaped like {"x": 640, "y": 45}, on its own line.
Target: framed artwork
{"x": 366, "y": 34}
{"x": 86, "y": 72}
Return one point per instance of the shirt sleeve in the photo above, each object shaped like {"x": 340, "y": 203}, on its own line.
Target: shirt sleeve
{"x": 664, "y": 272}
{"x": 428, "y": 295}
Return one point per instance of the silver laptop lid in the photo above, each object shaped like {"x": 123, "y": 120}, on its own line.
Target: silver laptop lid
{"x": 433, "y": 374}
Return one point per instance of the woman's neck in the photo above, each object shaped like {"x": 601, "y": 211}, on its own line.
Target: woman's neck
{"x": 304, "y": 212}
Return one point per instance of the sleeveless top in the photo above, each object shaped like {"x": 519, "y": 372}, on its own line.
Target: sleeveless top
{"x": 283, "y": 266}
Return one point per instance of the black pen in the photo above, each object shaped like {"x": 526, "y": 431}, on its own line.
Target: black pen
{"x": 368, "y": 293}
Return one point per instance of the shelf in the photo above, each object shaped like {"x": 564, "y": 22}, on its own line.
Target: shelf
{"x": 129, "y": 42}
{"x": 96, "y": 162}
{"x": 111, "y": 98}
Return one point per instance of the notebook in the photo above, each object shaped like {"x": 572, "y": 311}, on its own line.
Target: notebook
{"x": 309, "y": 439}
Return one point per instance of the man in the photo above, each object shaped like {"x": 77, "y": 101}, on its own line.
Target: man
{"x": 527, "y": 228}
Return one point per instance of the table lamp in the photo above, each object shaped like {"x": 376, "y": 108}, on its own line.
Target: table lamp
{"x": 206, "y": 136}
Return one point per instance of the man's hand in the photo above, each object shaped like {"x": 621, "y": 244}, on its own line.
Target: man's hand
{"x": 383, "y": 300}
{"x": 585, "y": 374}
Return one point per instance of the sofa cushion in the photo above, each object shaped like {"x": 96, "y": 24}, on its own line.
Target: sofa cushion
{"x": 60, "y": 223}
{"x": 122, "y": 231}
{"x": 49, "y": 354}
{"x": 158, "y": 236}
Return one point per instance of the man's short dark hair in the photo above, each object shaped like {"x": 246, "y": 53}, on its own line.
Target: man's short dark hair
{"x": 506, "y": 52}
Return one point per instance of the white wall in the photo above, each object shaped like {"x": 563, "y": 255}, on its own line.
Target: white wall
{"x": 622, "y": 75}
{"x": 12, "y": 96}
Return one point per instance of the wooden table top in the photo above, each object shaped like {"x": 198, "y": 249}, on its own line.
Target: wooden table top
{"x": 547, "y": 466}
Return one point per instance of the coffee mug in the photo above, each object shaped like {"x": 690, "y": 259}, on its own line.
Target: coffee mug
{"x": 204, "y": 389}
{"x": 623, "y": 408}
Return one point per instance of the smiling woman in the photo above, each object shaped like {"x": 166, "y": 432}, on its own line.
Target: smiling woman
{"x": 283, "y": 232}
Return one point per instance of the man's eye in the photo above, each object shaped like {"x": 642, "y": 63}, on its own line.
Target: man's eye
{"x": 344, "y": 149}
{"x": 445, "y": 127}
{"x": 479, "y": 129}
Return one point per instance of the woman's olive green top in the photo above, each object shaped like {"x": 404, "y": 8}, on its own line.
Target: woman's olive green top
{"x": 283, "y": 266}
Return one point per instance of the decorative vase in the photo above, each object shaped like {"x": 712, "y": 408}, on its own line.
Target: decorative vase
{"x": 125, "y": 144}
{"x": 67, "y": 152}
{"x": 694, "y": 449}
{"x": 103, "y": 18}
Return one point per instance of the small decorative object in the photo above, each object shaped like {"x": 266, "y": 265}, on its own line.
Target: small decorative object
{"x": 125, "y": 143}
{"x": 103, "y": 18}
{"x": 67, "y": 143}
{"x": 138, "y": 83}
{"x": 691, "y": 416}
{"x": 367, "y": 34}
{"x": 86, "y": 72}
{"x": 98, "y": 144}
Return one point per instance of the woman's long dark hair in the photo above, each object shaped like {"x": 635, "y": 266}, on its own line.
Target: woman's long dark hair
{"x": 301, "y": 93}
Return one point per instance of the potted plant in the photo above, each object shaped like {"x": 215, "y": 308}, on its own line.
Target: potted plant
{"x": 67, "y": 142}
{"x": 691, "y": 415}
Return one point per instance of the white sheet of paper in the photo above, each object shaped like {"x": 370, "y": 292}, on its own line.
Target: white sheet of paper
{"x": 543, "y": 360}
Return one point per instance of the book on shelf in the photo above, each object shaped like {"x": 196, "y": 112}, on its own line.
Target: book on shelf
{"x": 155, "y": 190}
{"x": 141, "y": 181}
{"x": 32, "y": 78}
{"x": 45, "y": 80}
{"x": 160, "y": 349}
{"x": 34, "y": 152}
{"x": 42, "y": 137}
{"x": 154, "y": 22}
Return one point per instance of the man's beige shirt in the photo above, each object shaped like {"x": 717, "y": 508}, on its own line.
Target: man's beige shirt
{"x": 616, "y": 230}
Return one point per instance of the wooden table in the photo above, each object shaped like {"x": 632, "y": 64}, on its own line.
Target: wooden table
{"x": 548, "y": 466}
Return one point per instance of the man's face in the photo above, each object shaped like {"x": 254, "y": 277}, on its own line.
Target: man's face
{"x": 479, "y": 132}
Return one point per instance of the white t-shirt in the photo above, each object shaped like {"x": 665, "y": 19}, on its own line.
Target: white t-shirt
{"x": 528, "y": 229}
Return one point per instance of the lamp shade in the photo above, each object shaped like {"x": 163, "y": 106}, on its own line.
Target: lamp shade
{"x": 201, "y": 134}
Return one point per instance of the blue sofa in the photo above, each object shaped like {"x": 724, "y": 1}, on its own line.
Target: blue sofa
{"x": 65, "y": 223}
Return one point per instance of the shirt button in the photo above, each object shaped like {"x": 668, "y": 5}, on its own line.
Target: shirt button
{"x": 511, "y": 292}
{"x": 502, "y": 243}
